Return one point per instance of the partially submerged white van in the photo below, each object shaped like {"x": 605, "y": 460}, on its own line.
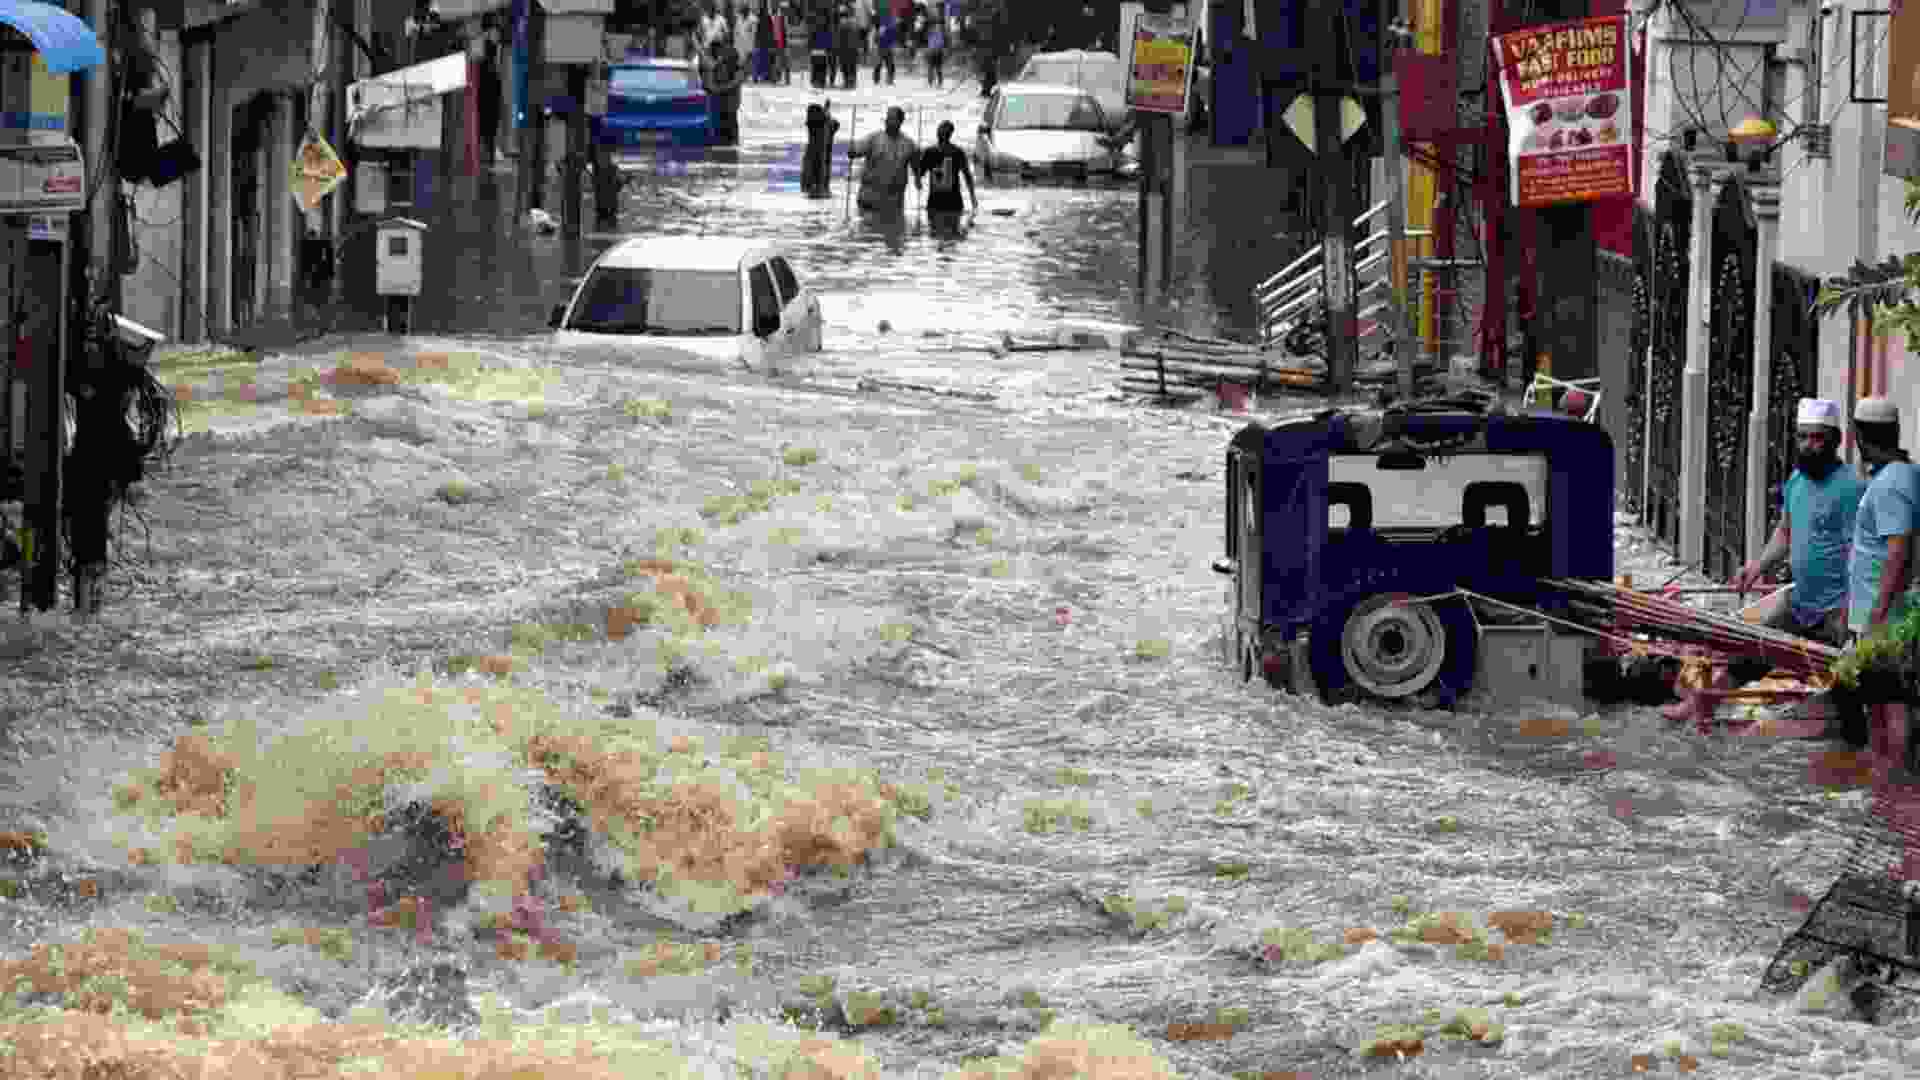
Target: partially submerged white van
{"x": 727, "y": 298}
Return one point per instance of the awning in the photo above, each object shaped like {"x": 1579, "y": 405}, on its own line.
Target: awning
{"x": 64, "y": 41}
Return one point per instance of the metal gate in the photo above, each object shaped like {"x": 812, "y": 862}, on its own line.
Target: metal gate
{"x": 1729, "y": 383}
{"x": 1795, "y": 374}
{"x": 1634, "y": 399}
{"x": 1672, "y": 233}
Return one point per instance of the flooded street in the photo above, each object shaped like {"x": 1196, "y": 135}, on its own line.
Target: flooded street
{"x": 1033, "y": 257}
{"x": 465, "y": 569}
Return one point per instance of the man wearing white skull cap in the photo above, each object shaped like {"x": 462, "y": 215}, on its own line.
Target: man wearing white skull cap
{"x": 1881, "y": 563}
{"x": 1816, "y": 530}
{"x": 1880, "y": 567}
{"x": 1814, "y": 538}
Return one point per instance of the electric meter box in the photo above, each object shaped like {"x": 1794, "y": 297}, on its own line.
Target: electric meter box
{"x": 396, "y": 260}
{"x": 42, "y": 178}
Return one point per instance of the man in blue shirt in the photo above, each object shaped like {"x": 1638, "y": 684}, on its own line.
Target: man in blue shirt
{"x": 1816, "y": 532}
{"x": 1814, "y": 538}
{"x": 1882, "y": 565}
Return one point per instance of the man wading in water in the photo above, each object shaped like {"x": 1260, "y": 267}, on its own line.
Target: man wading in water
{"x": 945, "y": 165}
{"x": 891, "y": 157}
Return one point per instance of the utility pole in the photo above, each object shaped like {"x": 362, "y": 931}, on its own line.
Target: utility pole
{"x": 1399, "y": 270}
{"x": 1156, "y": 167}
{"x": 573, "y": 173}
{"x": 1334, "y": 173}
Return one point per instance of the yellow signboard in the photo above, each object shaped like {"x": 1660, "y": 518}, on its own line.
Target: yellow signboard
{"x": 317, "y": 170}
{"x": 1160, "y": 71}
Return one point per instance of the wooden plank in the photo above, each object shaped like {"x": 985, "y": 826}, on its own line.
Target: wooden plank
{"x": 1211, "y": 375}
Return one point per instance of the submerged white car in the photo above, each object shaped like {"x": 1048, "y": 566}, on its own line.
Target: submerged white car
{"x": 730, "y": 299}
{"x": 1039, "y": 131}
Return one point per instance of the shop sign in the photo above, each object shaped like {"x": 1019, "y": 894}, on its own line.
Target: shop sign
{"x": 1569, "y": 99}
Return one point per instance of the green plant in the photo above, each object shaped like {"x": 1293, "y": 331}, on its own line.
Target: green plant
{"x": 1446, "y": 823}
{"x": 1888, "y": 652}
{"x": 867, "y": 1009}
{"x": 454, "y": 492}
{"x": 1042, "y": 816}
{"x": 913, "y": 801}
{"x": 1232, "y": 871}
{"x": 1281, "y": 944}
{"x": 616, "y": 472}
{"x": 1000, "y": 568}
{"x": 647, "y": 409}
{"x": 329, "y": 681}
{"x": 1153, "y": 649}
{"x": 161, "y": 903}
{"x": 1030, "y": 473}
{"x": 1072, "y": 777}
{"x": 1141, "y": 918}
{"x": 262, "y": 662}
{"x": 799, "y": 456}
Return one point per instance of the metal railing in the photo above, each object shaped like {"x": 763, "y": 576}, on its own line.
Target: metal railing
{"x": 1298, "y": 288}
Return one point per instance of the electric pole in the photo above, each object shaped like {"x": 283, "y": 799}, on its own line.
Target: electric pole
{"x": 1399, "y": 270}
{"x": 573, "y": 174}
{"x": 1334, "y": 173}
{"x": 1156, "y": 167}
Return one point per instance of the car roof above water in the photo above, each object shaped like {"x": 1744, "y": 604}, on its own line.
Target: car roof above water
{"x": 686, "y": 252}
{"x": 1040, "y": 89}
{"x": 655, "y": 62}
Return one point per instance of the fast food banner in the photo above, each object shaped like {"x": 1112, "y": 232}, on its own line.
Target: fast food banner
{"x": 1160, "y": 74}
{"x": 1568, "y": 89}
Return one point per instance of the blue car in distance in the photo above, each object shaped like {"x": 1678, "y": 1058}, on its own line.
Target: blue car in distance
{"x": 656, "y": 102}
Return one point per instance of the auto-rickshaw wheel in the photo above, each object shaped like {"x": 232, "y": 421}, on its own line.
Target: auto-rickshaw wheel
{"x": 1369, "y": 641}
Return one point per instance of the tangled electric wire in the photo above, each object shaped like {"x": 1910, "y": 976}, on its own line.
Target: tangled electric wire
{"x": 122, "y": 439}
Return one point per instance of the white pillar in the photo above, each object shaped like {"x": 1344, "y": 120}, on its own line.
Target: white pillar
{"x": 1764, "y": 190}
{"x": 197, "y": 117}
{"x": 1707, "y": 184}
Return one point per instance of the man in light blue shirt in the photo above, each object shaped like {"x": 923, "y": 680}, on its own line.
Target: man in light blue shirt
{"x": 1881, "y": 567}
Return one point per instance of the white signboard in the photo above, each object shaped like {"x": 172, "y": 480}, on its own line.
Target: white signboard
{"x": 42, "y": 178}
{"x": 401, "y": 110}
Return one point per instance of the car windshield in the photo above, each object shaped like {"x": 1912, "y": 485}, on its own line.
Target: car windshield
{"x": 635, "y": 300}
{"x": 1436, "y": 495}
{"x": 653, "y": 80}
{"x": 1048, "y": 111}
{"x": 1086, "y": 74}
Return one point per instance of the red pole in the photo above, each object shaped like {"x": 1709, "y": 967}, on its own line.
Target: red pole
{"x": 1493, "y": 200}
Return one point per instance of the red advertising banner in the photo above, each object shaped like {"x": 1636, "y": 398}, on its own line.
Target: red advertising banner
{"x": 1568, "y": 89}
